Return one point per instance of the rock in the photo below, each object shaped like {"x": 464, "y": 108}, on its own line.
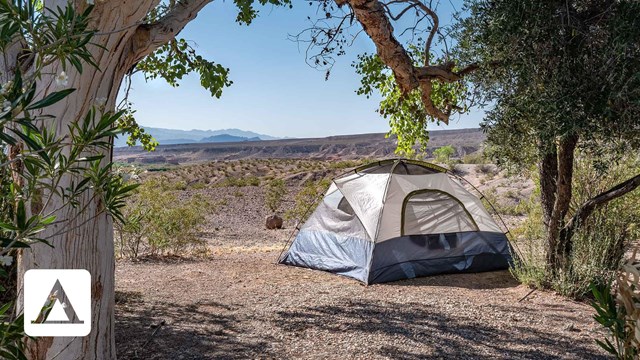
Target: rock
{"x": 273, "y": 222}
{"x": 571, "y": 327}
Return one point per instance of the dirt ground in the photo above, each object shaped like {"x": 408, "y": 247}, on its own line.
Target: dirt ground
{"x": 238, "y": 305}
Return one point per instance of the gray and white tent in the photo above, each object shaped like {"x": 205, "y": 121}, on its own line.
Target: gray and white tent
{"x": 398, "y": 219}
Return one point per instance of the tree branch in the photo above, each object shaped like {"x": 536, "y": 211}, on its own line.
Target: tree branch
{"x": 432, "y": 33}
{"x": 149, "y": 37}
{"x": 590, "y": 205}
{"x": 375, "y": 18}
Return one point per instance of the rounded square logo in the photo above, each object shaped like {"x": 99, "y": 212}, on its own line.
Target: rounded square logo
{"x": 57, "y": 302}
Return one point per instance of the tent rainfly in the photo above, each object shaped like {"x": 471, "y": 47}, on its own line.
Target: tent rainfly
{"x": 398, "y": 219}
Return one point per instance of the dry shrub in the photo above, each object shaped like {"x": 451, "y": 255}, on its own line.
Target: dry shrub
{"x": 474, "y": 158}
{"x": 159, "y": 223}
{"x": 239, "y": 181}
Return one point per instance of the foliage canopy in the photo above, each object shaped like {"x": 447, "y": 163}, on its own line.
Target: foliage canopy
{"x": 563, "y": 69}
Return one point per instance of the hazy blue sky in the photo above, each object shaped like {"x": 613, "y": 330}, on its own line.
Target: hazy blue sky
{"x": 274, "y": 92}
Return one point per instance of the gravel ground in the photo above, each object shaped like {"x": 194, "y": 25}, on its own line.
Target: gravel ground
{"x": 239, "y": 218}
{"x": 237, "y": 304}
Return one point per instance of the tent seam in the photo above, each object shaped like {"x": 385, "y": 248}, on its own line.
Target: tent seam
{"x": 384, "y": 198}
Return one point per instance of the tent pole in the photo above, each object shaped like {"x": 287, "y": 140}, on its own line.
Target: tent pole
{"x": 518, "y": 252}
{"x": 297, "y": 227}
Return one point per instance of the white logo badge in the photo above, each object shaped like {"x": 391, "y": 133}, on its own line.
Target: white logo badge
{"x": 57, "y": 302}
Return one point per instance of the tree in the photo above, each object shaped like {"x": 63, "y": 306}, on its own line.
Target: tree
{"x": 567, "y": 82}
{"x": 443, "y": 154}
{"x": 45, "y": 171}
{"x": 126, "y": 37}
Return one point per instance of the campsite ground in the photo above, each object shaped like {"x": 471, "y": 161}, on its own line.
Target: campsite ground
{"x": 235, "y": 303}
{"x": 239, "y": 305}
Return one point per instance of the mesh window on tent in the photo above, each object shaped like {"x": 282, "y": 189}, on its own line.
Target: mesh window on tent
{"x": 435, "y": 212}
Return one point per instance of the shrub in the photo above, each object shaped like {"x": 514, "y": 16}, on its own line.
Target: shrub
{"x": 274, "y": 194}
{"x": 599, "y": 244}
{"x": 517, "y": 207}
{"x": 175, "y": 185}
{"x": 474, "y": 158}
{"x": 443, "y": 154}
{"x": 307, "y": 199}
{"x": 488, "y": 170}
{"x": 158, "y": 223}
{"x": 239, "y": 181}
{"x": 458, "y": 170}
{"x": 198, "y": 185}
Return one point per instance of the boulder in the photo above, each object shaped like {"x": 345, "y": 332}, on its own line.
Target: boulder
{"x": 273, "y": 222}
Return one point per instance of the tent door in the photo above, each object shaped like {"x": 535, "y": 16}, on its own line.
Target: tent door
{"x": 431, "y": 211}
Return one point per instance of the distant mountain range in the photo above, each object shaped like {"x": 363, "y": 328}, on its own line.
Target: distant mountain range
{"x": 172, "y": 136}
{"x": 372, "y": 146}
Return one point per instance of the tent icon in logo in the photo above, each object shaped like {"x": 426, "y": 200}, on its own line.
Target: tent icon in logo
{"x": 57, "y": 297}
{"x": 57, "y": 302}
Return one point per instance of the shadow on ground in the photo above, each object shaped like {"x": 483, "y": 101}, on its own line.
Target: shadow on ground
{"x": 487, "y": 280}
{"x": 196, "y": 331}
{"x": 432, "y": 334}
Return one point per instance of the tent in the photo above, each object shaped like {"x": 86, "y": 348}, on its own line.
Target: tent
{"x": 399, "y": 219}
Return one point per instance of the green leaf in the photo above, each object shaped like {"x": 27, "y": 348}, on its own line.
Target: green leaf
{"x": 8, "y": 226}
{"x": 48, "y": 220}
{"x": 4, "y": 242}
{"x": 7, "y": 138}
{"x": 27, "y": 138}
{"x": 50, "y": 99}
{"x": 21, "y": 215}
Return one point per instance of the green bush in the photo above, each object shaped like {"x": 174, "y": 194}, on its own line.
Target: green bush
{"x": 307, "y": 199}
{"x": 600, "y": 243}
{"x": 159, "y": 223}
{"x": 198, "y": 185}
{"x": 274, "y": 195}
{"x": 443, "y": 154}
{"x": 238, "y": 181}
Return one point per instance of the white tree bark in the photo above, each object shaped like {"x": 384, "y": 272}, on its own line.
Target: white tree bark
{"x": 89, "y": 245}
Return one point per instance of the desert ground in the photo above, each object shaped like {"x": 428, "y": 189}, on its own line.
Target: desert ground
{"x": 234, "y": 302}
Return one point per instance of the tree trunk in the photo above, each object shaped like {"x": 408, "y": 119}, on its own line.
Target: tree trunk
{"x": 558, "y": 250}
{"x": 89, "y": 243}
{"x": 548, "y": 170}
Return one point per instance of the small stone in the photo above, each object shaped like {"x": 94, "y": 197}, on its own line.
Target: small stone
{"x": 571, "y": 327}
{"x": 273, "y": 222}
